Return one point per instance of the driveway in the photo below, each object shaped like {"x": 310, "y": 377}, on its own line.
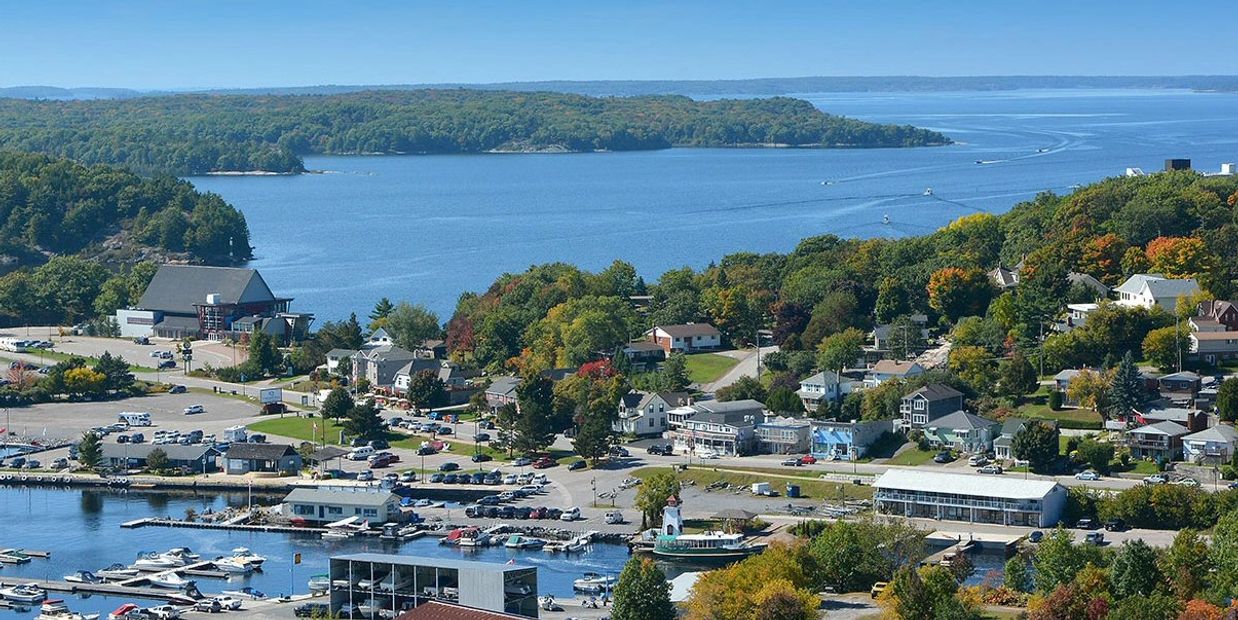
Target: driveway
{"x": 747, "y": 367}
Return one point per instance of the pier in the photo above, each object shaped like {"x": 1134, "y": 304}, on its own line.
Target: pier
{"x": 227, "y": 525}
{"x": 109, "y": 589}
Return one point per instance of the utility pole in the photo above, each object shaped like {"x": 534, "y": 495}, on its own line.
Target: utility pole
{"x": 1041, "y": 370}
{"x": 1178, "y": 341}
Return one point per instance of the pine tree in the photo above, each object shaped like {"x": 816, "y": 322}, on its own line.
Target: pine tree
{"x": 533, "y": 430}
{"x": 337, "y": 404}
{"x": 89, "y": 451}
{"x": 1017, "y": 378}
{"x": 1125, "y": 388}
{"x": 116, "y": 369}
{"x": 675, "y": 373}
{"x": 594, "y": 435}
{"x": 642, "y": 592}
{"x": 381, "y": 311}
{"x": 364, "y": 422}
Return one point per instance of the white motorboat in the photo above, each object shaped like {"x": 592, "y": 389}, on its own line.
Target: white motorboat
{"x": 391, "y": 584}
{"x": 370, "y": 608}
{"x": 184, "y": 554}
{"x": 370, "y": 584}
{"x": 27, "y": 593}
{"x": 234, "y": 566}
{"x": 319, "y": 583}
{"x": 473, "y": 537}
{"x": 593, "y": 582}
{"x": 55, "y": 609}
{"x": 157, "y": 562}
{"x": 13, "y": 556}
{"x": 117, "y": 571}
{"x": 337, "y": 535}
{"x": 83, "y": 576}
{"x": 169, "y": 579}
{"x": 243, "y": 554}
{"x": 248, "y": 592}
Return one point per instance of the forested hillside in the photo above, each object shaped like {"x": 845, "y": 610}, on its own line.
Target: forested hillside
{"x": 196, "y": 134}
{"x": 816, "y": 297}
{"x": 51, "y": 207}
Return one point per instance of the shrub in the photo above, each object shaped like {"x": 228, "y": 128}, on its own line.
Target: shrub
{"x": 1055, "y": 400}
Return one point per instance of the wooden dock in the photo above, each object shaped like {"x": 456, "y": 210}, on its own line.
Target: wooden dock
{"x": 246, "y": 527}
{"x": 110, "y": 589}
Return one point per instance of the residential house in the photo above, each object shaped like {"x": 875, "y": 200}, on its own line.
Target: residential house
{"x": 644, "y": 413}
{"x": 1004, "y": 278}
{"x": 933, "y": 401}
{"x": 195, "y": 301}
{"x": 1161, "y": 441}
{"x": 1061, "y": 383}
{"x": 379, "y": 364}
{"x": 331, "y": 503}
{"x": 727, "y": 428}
{"x": 999, "y": 500}
{"x": 1149, "y": 290}
{"x": 196, "y": 458}
{"x": 644, "y": 354}
{"x": 1192, "y": 419}
{"x": 1215, "y": 445}
{"x": 687, "y": 338}
{"x": 822, "y": 388}
{"x": 1223, "y": 313}
{"x": 1076, "y": 316}
{"x": 271, "y": 458}
{"x": 962, "y": 431}
{"x": 380, "y": 338}
{"x": 1179, "y": 387}
{"x": 882, "y": 339}
{"x": 885, "y": 370}
{"x": 845, "y": 441}
{"x": 783, "y": 435}
{"x": 502, "y": 390}
{"x": 1212, "y": 346}
{"x": 1084, "y": 280}
{"x": 1011, "y": 428}
{"x": 432, "y": 349}
{"x": 446, "y": 371}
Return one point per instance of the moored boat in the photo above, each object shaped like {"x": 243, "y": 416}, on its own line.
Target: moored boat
{"x": 170, "y": 580}
{"x": 319, "y": 583}
{"x": 83, "y": 576}
{"x": 243, "y": 554}
{"x": 55, "y": 609}
{"x": 707, "y": 545}
{"x": 117, "y": 571}
{"x": 27, "y": 593}
{"x": 593, "y": 582}
{"x": 13, "y": 556}
{"x": 234, "y": 566}
{"x": 517, "y": 541}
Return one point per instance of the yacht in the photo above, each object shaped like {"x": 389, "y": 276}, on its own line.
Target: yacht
{"x": 473, "y": 537}
{"x": 593, "y": 582}
{"x": 27, "y": 593}
{"x": 55, "y": 609}
{"x": 13, "y": 556}
{"x": 517, "y": 541}
{"x": 234, "y": 566}
{"x": 117, "y": 571}
{"x": 83, "y": 576}
{"x": 169, "y": 579}
{"x": 245, "y": 555}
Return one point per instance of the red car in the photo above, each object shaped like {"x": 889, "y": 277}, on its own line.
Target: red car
{"x": 543, "y": 463}
{"x": 808, "y": 459}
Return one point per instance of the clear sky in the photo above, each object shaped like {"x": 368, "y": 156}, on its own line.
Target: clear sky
{"x": 157, "y": 44}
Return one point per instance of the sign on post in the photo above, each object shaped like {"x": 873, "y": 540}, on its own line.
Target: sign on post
{"x": 271, "y": 395}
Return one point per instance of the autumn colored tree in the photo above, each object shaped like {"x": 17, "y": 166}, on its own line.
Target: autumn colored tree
{"x": 1088, "y": 388}
{"x": 1180, "y": 257}
{"x": 738, "y": 591}
{"x": 1102, "y": 258}
{"x": 976, "y": 367}
{"x": 1196, "y": 609}
{"x": 1166, "y": 346}
{"x": 956, "y": 292}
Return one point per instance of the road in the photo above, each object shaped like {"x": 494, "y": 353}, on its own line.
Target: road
{"x": 747, "y": 367}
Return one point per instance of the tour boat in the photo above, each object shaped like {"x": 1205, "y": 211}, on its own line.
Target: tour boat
{"x": 27, "y": 593}
{"x": 117, "y": 571}
{"x": 703, "y": 546}
{"x": 83, "y": 576}
{"x": 234, "y": 566}
{"x": 593, "y": 582}
{"x": 169, "y": 579}
{"x": 248, "y": 592}
{"x": 319, "y": 583}
{"x": 55, "y": 609}
{"x": 243, "y": 554}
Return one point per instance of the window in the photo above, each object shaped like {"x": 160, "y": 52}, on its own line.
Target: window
{"x": 919, "y": 419}
{"x": 335, "y": 510}
{"x": 919, "y": 405}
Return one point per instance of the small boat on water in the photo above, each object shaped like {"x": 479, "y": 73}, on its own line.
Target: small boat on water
{"x": 27, "y": 593}
{"x": 84, "y": 576}
{"x": 928, "y": 191}
{"x": 345, "y": 528}
{"x": 55, "y": 609}
{"x": 248, "y": 592}
{"x": 243, "y": 554}
{"x": 170, "y": 580}
{"x": 517, "y": 541}
{"x": 13, "y": 556}
{"x": 473, "y": 537}
{"x": 593, "y": 582}
{"x": 185, "y": 554}
{"x": 320, "y": 583}
{"x": 117, "y": 571}
{"x": 234, "y": 566}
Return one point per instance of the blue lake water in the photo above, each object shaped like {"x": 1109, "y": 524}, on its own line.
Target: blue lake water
{"x": 82, "y": 530}
{"x": 426, "y": 228}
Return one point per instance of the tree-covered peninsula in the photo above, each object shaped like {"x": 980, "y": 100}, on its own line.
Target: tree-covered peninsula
{"x": 198, "y": 134}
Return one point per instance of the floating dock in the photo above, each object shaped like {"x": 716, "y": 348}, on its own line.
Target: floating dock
{"x": 246, "y": 527}
{"x": 109, "y": 589}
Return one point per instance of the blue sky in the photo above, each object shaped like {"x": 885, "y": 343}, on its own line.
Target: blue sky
{"x": 228, "y": 43}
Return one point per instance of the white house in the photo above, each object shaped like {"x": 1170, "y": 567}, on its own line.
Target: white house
{"x": 1148, "y": 290}
{"x": 823, "y": 387}
{"x": 644, "y": 413}
{"x": 1214, "y": 444}
{"x": 884, "y": 370}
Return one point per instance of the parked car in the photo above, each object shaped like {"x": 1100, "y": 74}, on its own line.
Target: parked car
{"x": 451, "y": 479}
{"x": 1186, "y": 482}
{"x": 1085, "y": 524}
{"x": 167, "y": 364}
{"x": 477, "y": 478}
{"x": 162, "y": 612}
{"x": 1094, "y": 538}
{"x": 379, "y": 444}
{"x": 522, "y": 461}
{"x": 192, "y": 409}
{"x": 571, "y": 514}
{"x": 443, "y": 430}
{"x": 990, "y": 469}
{"x": 1036, "y": 536}
{"x": 808, "y": 459}
{"x": 522, "y": 512}
{"x": 408, "y": 476}
{"x": 436, "y": 478}
{"x": 1155, "y": 479}
{"x": 575, "y": 465}
{"x": 943, "y": 457}
{"x": 978, "y": 460}
{"x": 481, "y": 437}
{"x": 382, "y": 460}
{"x": 511, "y": 479}
{"x": 544, "y": 462}
{"x": 33, "y": 464}
{"x": 177, "y": 389}
{"x": 122, "y": 439}
{"x": 139, "y": 438}
{"x": 208, "y": 605}
{"x": 614, "y": 517}
{"x": 59, "y": 463}
{"x": 449, "y": 466}
{"x": 1115, "y": 525}
{"x": 791, "y": 462}
{"x": 659, "y": 450}
{"x": 365, "y": 476}
{"x": 619, "y": 451}
{"x": 426, "y": 451}
{"x": 480, "y": 457}
{"x": 1087, "y": 475}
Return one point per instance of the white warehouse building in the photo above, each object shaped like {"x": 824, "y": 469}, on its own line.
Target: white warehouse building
{"x": 971, "y": 498}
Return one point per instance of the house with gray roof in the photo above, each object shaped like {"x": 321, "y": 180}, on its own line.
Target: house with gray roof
{"x": 335, "y": 356}
{"x": 502, "y": 390}
{"x": 379, "y": 365}
{"x": 1161, "y": 441}
{"x": 269, "y": 458}
{"x": 962, "y": 431}
{"x": 643, "y": 414}
{"x": 935, "y": 400}
{"x": 1216, "y": 445}
{"x": 1149, "y": 290}
{"x": 196, "y": 301}
{"x": 726, "y": 428}
{"x": 196, "y": 458}
{"x": 327, "y": 504}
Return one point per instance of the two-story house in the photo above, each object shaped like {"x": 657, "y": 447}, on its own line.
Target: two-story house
{"x": 644, "y": 413}
{"x": 845, "y": 441}
{"x": 929, "y": 403}
{"x": 502, "y": 390}
{"x": 962, "y": 431}
{"x": 686, "y": 338}
{"x": 1011, "y": 428}
{"x": 885, "y": 370}
{"x": 1149, "y": 290}
{"x": 379, "y": 364}
{"x": 1214, "y": 445}
{"x": 1161, "y": 441}
{"x": 783, "y": 435}
{"x": 725, "y": 428}
{"x": 1179, "y": 387}
{"x": 822, "y": 389}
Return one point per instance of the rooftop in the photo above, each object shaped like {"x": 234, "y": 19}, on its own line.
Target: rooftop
{"x": 936, "y": 391}
{"x": 1158, "y": 285}
{"x": 439, "y": 562}
{"x": 894, "y": 367}
{"x": 960, "y": 420}
{"x": 689, "y": 329}
{"x": 964, "y": 484}
{"x": 436, "y": 610}
{"x": 1165, "y": 427}
{"x": 259, "y": 451}
{"x": 178, "y": 288}
{"x": 1221, "y": 433}
{"x": 341, "y": 495}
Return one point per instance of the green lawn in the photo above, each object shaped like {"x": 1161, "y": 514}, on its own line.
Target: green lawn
{"x": 300, "y": 428}
{"x": 708, "y": 367}
{"x": 57, "y": 356}
{"x": 912, "y": 456}
{"x": 1037, "y": 407}
{"x": 815, "y": 489}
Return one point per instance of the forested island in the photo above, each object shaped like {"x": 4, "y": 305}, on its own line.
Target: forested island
{"x": 67, "y": 228}
{"x": 199, "y": 134}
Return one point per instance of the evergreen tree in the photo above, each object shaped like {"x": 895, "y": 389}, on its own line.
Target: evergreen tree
{"x": 1037, "y": 444}
{"x": 89, "y": 450}
{"x": 116, "y": 371}
{"x": 1125, "y": 388}
{"x": 156, "y": 460}
{"x": 264, "y": 354}
{"x": 1016, "y": 577}
{"x": 534, "y": 430}
{"x": 651, "y": 497}
{"x": 337, "y": 404}
{"x": 378, "y": 316}
{"x": 364, "y": 421}
{"x": 1016, "y": 377}
{"x": 1227, "y": 400}
{"x": 426, "y": 390}
{"x": 784, "y": 400}
{"x": 594, "y": 432}
{"x": 1134, "y": 570}
{"x": 642, "y": 592}
{"x": 505, "y": 420}
{"x": 675, "y": 373}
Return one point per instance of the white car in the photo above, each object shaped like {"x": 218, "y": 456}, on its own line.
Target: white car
{"x": 1087, "y": 475}
{"x": 541, "y": 479}
{"x": 231, "y": 603}
{"x": 194, "y": 409}
{"x": 614, "y": 517}
{"x": 707, "y": 454}
{"x": 1155, "y": 479}
{"x": 1186, "y": 482}
{"x": 511, "y": 479}
{"x": 571, "y": 514}
{"x": 163, "y": 612}
{"x": 531, "y": 488}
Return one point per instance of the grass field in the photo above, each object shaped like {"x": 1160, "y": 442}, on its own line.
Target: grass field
{"x": 708, "y": 367}
{"x": 57, "y": 356}
{"x": 302, "y": 428}
{"x": 912, "y": 456}
{"x": 1037, "y": 407}
{"x": 815, "y": 489}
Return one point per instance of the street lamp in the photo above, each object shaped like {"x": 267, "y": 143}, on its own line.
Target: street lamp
{"x": 593, "y": 482}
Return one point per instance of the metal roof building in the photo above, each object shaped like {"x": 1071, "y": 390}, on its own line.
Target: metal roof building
{"x": 383, "y": 583}
{"x": 1000, "y": 500}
